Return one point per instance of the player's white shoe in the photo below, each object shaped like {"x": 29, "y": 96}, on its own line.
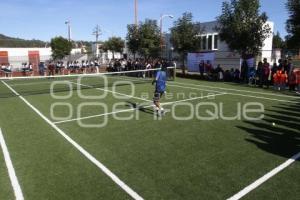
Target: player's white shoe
{"x": 156, "y": 110}
{"x": 162, "y": 112}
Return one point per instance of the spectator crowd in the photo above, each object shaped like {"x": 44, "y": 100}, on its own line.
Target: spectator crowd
{"x": 282, "y": 75}
{"x": 52, "y": 68}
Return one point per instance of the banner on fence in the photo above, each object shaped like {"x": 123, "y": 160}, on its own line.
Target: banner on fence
{"x": 194, "y": 60}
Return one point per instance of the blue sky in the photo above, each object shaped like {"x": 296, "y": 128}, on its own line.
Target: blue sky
{"x": 44, "y": 19}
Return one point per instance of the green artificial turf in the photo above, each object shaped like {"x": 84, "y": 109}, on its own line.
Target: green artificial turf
{"x": 158, "y": 158}
{"x": 6, "y": 188}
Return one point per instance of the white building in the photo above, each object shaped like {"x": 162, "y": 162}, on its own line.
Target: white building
{"x": 210, "y": 42}
{"x": 17, "y": 56}
{"x": 104, "y": 57}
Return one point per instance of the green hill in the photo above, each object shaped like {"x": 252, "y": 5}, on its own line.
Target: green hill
{"x": 6, "y": 41}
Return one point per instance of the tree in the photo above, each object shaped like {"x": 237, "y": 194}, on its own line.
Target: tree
{"x": 86, "y": 46}
{"x": 144, "y": 39}
{"x": 293, "y": 24}
{"x": 185, "y": 36}
{"x": 242, "y": 27}
{"x": 61, "y": 48}
{"x": 278, "y": 42}
{"x": 114, "y": 44}
{"x": 149, "y": 39}
{"x": 132, "y": 38}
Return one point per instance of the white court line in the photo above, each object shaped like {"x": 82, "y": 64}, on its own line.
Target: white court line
{"x": 102, "y": 167}
{"x": 132, "y": 109}
{"x": 11, "y": 171}
{"x": 133, "y": 79}
{"x": 101, "y": 89}
{"x": 95, "y": 116}
{"x": 245, "y": 91}
{"x": 263, "y": 179}
{"x": 234, "y": 94}
{"x": 48, "y": 81}
{"x": 256, "y": 97}
{"x": 192, "y": 99}
{"x": 28, "y": 84}
{"x": 168, "y": 84}
{"x": 175, "y": 84}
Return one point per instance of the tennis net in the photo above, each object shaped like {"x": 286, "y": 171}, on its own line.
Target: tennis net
{"x": 37, "y": 85}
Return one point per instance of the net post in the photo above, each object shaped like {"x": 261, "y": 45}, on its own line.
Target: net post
{"x": 174, "y": 72}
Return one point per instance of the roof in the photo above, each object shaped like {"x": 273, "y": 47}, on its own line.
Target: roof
{"x": 209, "y": 27}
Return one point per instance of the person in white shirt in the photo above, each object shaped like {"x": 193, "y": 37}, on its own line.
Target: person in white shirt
{"x": 148, "y": 73}
{"x": 123, "y": 64}
{"x": 76, "y": 66}
{"x": 87, "y": 65}
{"x": 97, "y": 66}
{"x": 7, "y": 69}
{"x": 30, "y": 67}
{"x": 83, "y": 66}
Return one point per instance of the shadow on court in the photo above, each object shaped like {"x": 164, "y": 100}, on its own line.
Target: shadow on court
{"x": 141, "y": 108}
{"x": 282, "y": 92}
{"x": 281, "y": 138}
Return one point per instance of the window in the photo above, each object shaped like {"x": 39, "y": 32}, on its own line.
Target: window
{"x": 216, "y": 41}
{"x": 210, "y": 38}
{"x": 203, "y": 41}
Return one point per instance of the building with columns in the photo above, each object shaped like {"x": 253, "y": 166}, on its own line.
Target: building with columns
{"x": 210, "y": 42}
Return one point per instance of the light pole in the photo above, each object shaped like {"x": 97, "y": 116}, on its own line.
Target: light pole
{"x": 136, "y": 12}
{"x": 171, "y": 53}
{"x": 68, "y": 23}
{"x": 97, "y": 33}
{"x": 161, "y": 31}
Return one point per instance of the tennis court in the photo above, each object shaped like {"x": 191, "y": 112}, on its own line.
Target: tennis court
{"x": 97, "y": 137}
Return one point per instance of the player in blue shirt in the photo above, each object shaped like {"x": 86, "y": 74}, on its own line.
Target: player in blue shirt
{"x": 160, "y": 88}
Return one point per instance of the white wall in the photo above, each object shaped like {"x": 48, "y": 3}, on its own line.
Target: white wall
{"x": 17, "y": 56}
{"x": 268, "y": 44}
{"x": 76, "y": 51}
{"x": 228, "y": 59}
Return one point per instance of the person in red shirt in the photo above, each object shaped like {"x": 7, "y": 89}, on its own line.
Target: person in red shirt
{"x": 283, "y": 80}
{"x": 292, "y": 81}
{"x": 51, "y": 69}
{"x": 297, "y": 73}
{"x": 277, "y": 79}
{"x": 208, "y": 69}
